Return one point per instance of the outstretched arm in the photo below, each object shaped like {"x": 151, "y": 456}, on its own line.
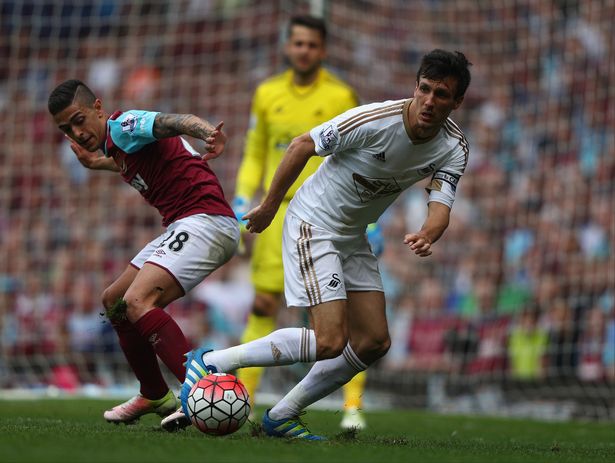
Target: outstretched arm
{"x": 437, "y": 221}
{"x": 171, "y": 125}
{"x": 297, "y": 155}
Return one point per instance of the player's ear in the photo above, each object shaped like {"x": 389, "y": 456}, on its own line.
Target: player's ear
{"x": 98, "y": 107}
{"x": 458, "y": 102}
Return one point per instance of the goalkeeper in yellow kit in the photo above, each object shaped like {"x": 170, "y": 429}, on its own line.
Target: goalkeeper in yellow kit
{"x": 285, "y": 106}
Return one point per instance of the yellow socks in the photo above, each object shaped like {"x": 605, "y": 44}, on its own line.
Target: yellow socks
{"x": 353, "y": 391}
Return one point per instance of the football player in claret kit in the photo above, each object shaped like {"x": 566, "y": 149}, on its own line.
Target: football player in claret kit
{"x": 373, "y": 153}
{"x": 147, "y": 149}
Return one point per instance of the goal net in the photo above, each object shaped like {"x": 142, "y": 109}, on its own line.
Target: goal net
{"x": 513, "y": 314}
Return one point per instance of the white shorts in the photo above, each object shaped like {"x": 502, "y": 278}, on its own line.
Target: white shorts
{"x": 192, "y": 248}
{"x": 320, "y": 265}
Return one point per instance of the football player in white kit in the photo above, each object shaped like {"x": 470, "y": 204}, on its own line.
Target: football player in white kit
{"x": 374, "y": 152}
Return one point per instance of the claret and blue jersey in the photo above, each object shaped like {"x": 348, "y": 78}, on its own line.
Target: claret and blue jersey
{"x": 168, "y": 172}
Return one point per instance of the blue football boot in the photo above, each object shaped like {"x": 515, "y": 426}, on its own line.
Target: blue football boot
{"x": 292, "y": 428}
{"x": 195, "y": 370}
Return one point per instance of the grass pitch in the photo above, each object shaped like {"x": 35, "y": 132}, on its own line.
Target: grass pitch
{"x": 73, "y": 431}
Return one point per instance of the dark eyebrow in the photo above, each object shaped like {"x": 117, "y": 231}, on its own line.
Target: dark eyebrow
{"x": 77, "y": 114}
{"x": 63, "y": 126}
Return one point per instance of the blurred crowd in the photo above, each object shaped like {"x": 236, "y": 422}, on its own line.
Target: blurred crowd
{"x": 521, "y": 286}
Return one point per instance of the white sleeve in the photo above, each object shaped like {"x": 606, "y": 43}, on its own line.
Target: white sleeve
{"x": 331, "y": 136}
{"x": 443, "y": 185}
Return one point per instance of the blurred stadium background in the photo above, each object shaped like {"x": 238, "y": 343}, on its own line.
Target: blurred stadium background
{"x": 514, "y": 314}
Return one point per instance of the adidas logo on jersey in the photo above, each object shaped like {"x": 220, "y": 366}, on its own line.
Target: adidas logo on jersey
{"x": 379, "y": 156}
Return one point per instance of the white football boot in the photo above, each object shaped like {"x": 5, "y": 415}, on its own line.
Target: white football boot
{"x": 175, "y": 421}
{"x": 133, "y": 409}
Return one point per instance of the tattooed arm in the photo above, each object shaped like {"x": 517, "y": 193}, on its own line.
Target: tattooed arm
{"x": 171, "y": 125}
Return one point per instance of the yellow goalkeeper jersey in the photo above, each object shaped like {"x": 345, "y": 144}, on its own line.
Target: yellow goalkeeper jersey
{"x": 281, "y": 111}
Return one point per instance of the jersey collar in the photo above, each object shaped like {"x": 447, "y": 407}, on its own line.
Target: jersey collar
{"x": 108, "y": 145}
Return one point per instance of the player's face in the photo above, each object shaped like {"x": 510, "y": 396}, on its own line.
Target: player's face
{"x": 433, "y": 102}
{"x": 305, "y": 50}
{"x": 85, "y": 125}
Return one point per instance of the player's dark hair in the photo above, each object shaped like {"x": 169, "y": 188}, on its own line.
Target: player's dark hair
{"x": 311, "y": 22}
{"x": 439, "y": 64}
{"x": 64, "y": 94}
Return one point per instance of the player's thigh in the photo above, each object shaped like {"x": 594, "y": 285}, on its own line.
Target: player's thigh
{"x": 312, "y": 265}
{"x": 118, "y": 288}
{"x": 190, "y": 250}
{"x": 266, "y": 263}
{"x": 367, "y": 324}
{"x": 360, "y": 266}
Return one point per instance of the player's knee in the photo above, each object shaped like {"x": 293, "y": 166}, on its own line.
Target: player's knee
{"x": 382, "y": 346}
{"x": 135, "y": 308}
{"x": 109, "y": 297}
{"x": 330, "y": 347}
{"x": 374, "y": 348}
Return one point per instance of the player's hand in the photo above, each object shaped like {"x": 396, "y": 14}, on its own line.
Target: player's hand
{"x": 240, "y": 206}
{"x": 420, "y": 244}
{"x": 259, "y": 218}
{"x": 375, "y": 238}
{"x": 85, "y": 157}
{"x": 214, "y": 144}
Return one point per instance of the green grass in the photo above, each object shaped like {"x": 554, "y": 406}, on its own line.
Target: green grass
{"x": 74, "y": 431}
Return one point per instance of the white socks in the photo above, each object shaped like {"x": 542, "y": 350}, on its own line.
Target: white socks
{"x": 282, "y": 347}
{"x": 325, "y": 377}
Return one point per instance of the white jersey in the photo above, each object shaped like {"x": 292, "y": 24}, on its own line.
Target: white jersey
{"x": 371, "y": 160}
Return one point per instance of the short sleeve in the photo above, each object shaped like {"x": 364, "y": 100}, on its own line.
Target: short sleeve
{"x": 133, "y": 130}
{"x": 337, "y": 135}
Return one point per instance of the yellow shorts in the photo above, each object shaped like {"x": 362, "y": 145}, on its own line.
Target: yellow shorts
{"x": 266, "y": 262}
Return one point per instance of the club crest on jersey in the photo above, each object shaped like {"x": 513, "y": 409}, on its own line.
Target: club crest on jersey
{"x": 328, "y": 138}
{"x": 129, "y": 123}
{"x": 369, "y": 188}
{"x": 335, "y": 282}
{"x": 379, "y": 156}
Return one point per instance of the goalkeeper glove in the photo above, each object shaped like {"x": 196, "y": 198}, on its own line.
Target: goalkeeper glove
{"x": 240, "y": 206}
{"x": 375, "y": 238}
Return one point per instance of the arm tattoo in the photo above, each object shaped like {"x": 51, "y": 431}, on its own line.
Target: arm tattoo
{"x": 171, "y": 125}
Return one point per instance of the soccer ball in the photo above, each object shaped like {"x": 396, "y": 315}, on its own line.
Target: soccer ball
{"x": 218, "y": 404}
